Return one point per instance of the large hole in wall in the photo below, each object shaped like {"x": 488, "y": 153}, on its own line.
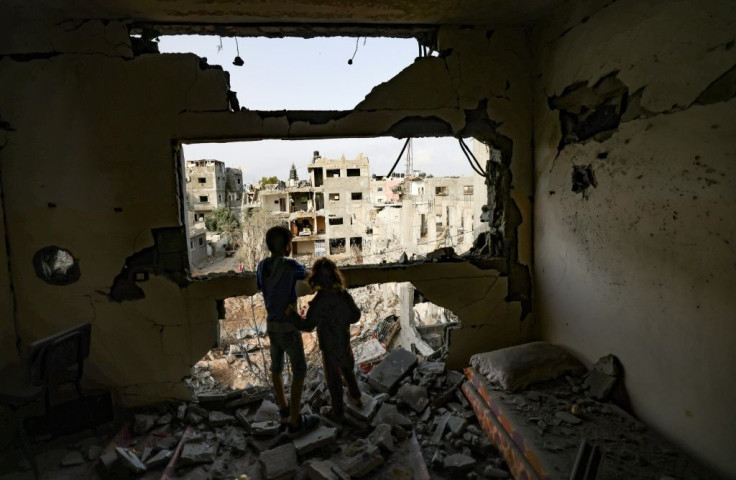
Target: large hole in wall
{"x": 325, "y": 73}
{"x": 393, "y": 315}
{"x": 336, "y": 197}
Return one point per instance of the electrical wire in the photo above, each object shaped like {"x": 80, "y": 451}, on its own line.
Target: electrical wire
{"x": 399, "y": 157}
{"x": 474, "y": 163}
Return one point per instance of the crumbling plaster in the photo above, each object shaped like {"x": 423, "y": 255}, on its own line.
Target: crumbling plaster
{"x": 642, "y": 265}
{"x": 89, "y": 165}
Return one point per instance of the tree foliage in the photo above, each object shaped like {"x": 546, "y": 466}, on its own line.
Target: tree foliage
{"x": 222, "y": 219}
{"x": 269, "y": 180}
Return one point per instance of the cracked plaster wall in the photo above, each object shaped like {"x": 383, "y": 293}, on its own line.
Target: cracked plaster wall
{"x": 643, "y": 265}
{"x": 89, "y": 166}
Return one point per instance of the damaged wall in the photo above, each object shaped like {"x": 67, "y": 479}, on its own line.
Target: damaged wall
{"x": 90, "y": 166}
{"x": 635, "y": 202}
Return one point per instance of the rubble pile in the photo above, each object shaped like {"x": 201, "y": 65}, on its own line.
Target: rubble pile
{"x": 225, "y": 435}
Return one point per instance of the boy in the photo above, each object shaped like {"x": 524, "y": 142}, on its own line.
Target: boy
{"x": 276, "y": 278}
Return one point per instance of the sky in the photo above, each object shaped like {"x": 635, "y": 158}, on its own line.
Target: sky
{"x": 312, "y": 74}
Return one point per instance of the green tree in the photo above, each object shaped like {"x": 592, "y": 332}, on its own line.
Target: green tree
{"x": 269, "y": 180}
{"x": 222, "y": 219}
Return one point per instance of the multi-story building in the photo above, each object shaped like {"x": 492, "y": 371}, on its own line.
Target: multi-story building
{"x": 210, "y": 185}
{"x": 342, "y": 211}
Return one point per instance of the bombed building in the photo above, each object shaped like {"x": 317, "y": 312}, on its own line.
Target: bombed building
{"x": 610, "y": 206}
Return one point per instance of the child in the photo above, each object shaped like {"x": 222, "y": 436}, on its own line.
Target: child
{"x": 276, "y": 277}
{"x": 333, "y": 310}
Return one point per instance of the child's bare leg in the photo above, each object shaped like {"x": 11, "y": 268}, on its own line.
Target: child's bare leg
{"x": 334, "y": 385}
{"x": 352, "y": 382}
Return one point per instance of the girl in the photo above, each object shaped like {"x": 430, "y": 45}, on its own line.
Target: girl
{"x": 333, "y": 310}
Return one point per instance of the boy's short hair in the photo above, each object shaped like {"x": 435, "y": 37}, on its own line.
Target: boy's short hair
{"x": 277, "y": 238}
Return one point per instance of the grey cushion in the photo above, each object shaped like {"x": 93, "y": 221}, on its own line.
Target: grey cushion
{"x": 514, "y": 368}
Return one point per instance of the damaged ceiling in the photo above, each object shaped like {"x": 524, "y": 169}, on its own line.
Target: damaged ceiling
{"x": 392, "y": 12}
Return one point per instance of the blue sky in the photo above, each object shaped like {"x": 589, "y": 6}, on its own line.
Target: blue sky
{"x": 312, "y": 74}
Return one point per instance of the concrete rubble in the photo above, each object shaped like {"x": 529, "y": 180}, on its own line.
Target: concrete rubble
{"x": 406, "y": 401}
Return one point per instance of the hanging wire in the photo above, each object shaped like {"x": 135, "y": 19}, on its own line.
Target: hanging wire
{"x": 350, "y": 61}
{"x": 399, "y": 157}
{"x": 474, "y": 163}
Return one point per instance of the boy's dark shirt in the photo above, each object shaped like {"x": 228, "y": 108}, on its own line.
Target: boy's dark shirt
{"x": 276, "y": 277}
{"x": 332, "y": 311}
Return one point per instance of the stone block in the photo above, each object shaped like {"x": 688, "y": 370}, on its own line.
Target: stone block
{"x": 387, "y": 374}
{"x": 130, "y": 460}
{"x": 413, "y": 396}
{"x": 218, "y": 419}
{"x": 72, "y": 458}
{"x": 359, "y": 459}
{"x": 321, "y": 470}
{"x": 279, "y": 463}
{"x": 389, "y": 414}
{"x": 459, "y": 463}
{"x": 265, "y": 429}
{"x": 143, "y": 423}
{"x": 381, "y": 437}
{"x": 160, "y": 459}
{"x": 198, "y": 451}
{"x": 315, "y": 439}
{"x": 366, "y": 412}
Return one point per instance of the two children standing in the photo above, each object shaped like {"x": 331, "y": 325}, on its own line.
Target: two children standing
{"x": 331, "y": 311}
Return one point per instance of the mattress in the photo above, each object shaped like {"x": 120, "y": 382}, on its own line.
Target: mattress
{"x": 539, "y": 438}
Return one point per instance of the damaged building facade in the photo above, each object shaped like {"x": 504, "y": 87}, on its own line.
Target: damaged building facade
{"x": 345, "y": 211}
{"x": 610, "y": 206}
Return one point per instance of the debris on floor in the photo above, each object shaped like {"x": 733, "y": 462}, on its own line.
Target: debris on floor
{"x": 239, "y": 433}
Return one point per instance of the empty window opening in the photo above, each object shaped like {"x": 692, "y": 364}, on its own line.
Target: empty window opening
{"x": 337, "y": 246}
{"x": 393, "y": 209}
{"x": 202, "y": 180}
{"x": 393, "y": 315}
{"x": 274, "y": 75}
{"x": 467, "y": 190}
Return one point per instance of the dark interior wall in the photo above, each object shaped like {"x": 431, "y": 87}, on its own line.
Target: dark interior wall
{"x": 89, "y": 165}
{"x": 635, "y": 120}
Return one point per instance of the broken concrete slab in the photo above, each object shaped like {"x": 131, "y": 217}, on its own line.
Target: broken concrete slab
{"x": 130, "y": 460}
{"x": 389, "y": 414}
{"x": 315, "y": 439}
{"x": 568, "y": 418}
{"x": 267, "y": 411}
{"x": 321, "y": 470}
{"x": 382, "y": 437}
{"x": 279, "y": 463}
{"x": 218, "y": 419}
{"x": 160, "y": 459}
{"x": 359, "y": 459}
{"x": 143, "y": 422}
{"x": 198, "y": 451}
{"x": 93, "y": 452}
{"x": 493, "y": 472}
{"x": 459, "y": 463}
{"x": 387, "y": 374}
{"x": 248, "y": 397}
{"x": 456, "y": 424}
{"x": 265, "y": 429}
{"x": 237, "y": 442}
{"x": 440, "y": 430}
{"x": 414, "y": 396}
{"x": 431, "y": 368}
{"x": 364, "y": 412}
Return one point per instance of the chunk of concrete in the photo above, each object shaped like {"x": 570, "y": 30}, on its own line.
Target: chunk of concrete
{"x": 198, "y": 451}
{"x": 431, "y": 368}
{"x": 142, "y": 423}
{"x": 237, "y": 442}
{"x": 414, "y": 396}
{"x": 568, "y": 418}
{"x": 265, "y": 429}
{"x": 381, "y": 437}
{"x": 365, "y": 412}
{"x": 440, "y": 430}
{"x": 387, "y": 374}
{"x": 218, "y": 419}
{"x": 315, "y": 439}
{"x": 267, "y": 411}
{"x": 164, "y": 419}
{"x": 456, "y": 424}
{"x": 93, "y": 452}
{"x": 321, "y": 470}
{"x": 160, "y": 459}
{"x": 359, "y": 459}
{"x": 492, "y": 472}
{"x": 389, "y": 414}
{"x": 279, "y": 463}
{"x": 459, "y": 463}
{"x": 130, "y": 460}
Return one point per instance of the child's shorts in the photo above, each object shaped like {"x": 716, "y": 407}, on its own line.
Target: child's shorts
{"x": 287, "y": 339}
